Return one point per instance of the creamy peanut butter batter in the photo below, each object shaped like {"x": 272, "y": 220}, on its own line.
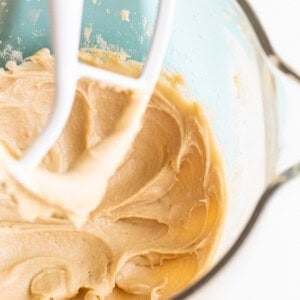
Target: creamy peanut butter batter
{"x": 152, "y": 233}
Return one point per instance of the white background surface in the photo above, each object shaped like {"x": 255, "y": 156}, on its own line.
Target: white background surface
{"x": 268, "y": 266}
{"x": 281, "y": 20}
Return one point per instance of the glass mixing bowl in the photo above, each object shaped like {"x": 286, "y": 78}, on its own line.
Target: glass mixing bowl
{"x": 232, "y": 71}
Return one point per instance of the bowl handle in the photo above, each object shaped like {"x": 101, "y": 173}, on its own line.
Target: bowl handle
{"x": 287, "y": 84}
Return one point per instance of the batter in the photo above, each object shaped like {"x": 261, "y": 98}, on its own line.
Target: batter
{"x": 155, "y": 229}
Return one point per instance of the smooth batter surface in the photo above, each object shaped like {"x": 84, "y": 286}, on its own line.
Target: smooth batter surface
{"x": 154, "y": 230}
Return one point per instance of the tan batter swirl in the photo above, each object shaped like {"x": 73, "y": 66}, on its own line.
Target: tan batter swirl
{"x": 156, "y": 228}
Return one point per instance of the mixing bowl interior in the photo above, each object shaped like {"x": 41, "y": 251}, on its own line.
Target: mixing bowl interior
{"x": 213, "y": 46}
